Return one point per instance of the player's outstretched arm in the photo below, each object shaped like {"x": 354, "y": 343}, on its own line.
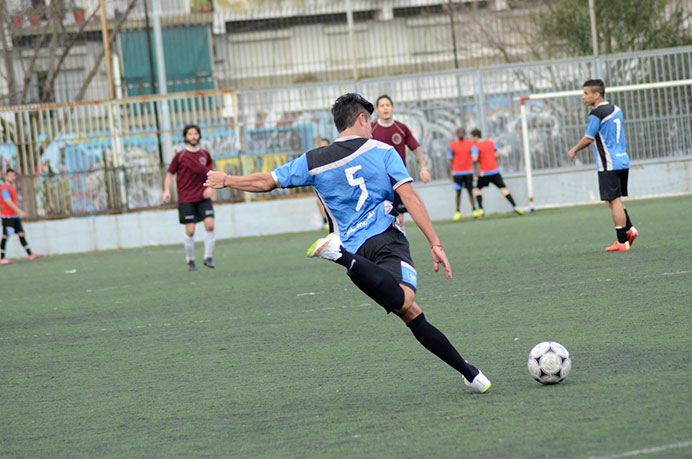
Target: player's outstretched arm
{"x": 583, "y": 143}
{"x": 416, "y": 208}
{"x": 256, "y": 183}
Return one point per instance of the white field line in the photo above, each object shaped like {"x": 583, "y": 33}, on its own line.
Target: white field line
{"x": 641, "y": 452}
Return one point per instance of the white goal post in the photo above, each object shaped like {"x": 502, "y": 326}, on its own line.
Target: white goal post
{"x": 555, "y": 95}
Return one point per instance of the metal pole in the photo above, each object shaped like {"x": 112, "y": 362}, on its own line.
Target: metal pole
{"x": 594, "y": 33}
{"x": 152, "y": 81}
{"x": 163, "y": 84}
{"x": 349, "y": 20}
{"x": 454, "y": 37}
{"x": 107, "y": 48}
{"x": 527, "y": 153}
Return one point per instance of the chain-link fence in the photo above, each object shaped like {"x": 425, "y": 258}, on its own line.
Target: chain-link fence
{"x": 77, "y": 159}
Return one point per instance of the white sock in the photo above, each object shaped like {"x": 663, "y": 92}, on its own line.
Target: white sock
{"x": 189, "y": 242}
{"x": 209, "y": 240}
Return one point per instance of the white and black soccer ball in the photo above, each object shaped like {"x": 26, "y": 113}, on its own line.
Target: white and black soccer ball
{"x": 549, "y": 362}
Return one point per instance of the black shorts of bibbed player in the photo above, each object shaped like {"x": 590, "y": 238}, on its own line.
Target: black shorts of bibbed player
{"x": 11, "y": 222}
{"x": 194, "y": 212}
{"x": 495, "y": 179}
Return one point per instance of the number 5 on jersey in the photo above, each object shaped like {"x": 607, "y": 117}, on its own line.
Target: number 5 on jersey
{"x": 359, "y": 182}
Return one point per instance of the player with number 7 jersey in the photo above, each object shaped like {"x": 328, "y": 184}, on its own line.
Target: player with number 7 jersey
{"x": 607, "y": 132}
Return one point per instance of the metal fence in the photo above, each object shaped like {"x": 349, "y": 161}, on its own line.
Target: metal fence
{"x": 77, "y": 159}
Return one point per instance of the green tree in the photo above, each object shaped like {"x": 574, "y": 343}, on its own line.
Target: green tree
{"x": 622, "y": 25}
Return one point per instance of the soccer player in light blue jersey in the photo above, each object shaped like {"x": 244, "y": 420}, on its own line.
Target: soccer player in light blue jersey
{"x": 356, "y": 178}
{"x": 606, "y": 130}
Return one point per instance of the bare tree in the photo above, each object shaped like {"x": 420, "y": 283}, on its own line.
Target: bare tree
{"x": 20, "y": 129}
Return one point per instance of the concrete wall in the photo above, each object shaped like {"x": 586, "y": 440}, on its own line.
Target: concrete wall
{"x": 156, "y": 227}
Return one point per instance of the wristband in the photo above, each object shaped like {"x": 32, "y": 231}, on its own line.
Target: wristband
{"x": 436, "y": 245}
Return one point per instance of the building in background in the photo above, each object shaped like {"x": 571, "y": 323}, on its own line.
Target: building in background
{"x": 247, "y": 44}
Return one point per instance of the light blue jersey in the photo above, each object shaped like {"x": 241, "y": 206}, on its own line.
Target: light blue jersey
{"x": 355, "y": 179}
{"x": 607, "y": 128}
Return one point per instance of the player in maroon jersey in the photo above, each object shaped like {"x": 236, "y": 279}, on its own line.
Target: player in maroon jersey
{"x": 194, "y": 200}
{"x": 398, "y": 135}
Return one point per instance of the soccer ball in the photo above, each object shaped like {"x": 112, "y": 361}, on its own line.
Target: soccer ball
{"x": 549, "y": 362}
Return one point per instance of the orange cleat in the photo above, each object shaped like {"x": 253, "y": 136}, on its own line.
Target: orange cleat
{"x": 6, "y": 261}
{"x": 632, "y": 234}
{"x": 618, "y": 247}
{"x": 34, "y": 256}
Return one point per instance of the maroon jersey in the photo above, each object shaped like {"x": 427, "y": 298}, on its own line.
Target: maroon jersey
{"x": 191, "y": 168}
{"x": 397, "y": 135}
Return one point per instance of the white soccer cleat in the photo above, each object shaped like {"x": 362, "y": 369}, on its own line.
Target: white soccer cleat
{"x": 328, "y": 248}
{"x": 480, "y": 383}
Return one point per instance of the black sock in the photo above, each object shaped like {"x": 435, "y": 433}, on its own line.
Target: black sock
{"x": 25, "y": 245}
{"x": 511, "y": 200}
{"x": 628, "y": 225}
{"x": 436, "y": 342}
{"x": 622, "y": 234}
{"x": 372, "y": 280}
{"x": 3, "y": 244}
{"x": 479, "y": 199}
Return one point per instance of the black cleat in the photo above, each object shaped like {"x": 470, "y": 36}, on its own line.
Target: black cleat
{"x": 191, "y": 265}
{"x": 208, "y": 263}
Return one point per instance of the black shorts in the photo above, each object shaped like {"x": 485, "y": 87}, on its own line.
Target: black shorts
{"x": 390, "y": 250}
{"x": 485, "y": 180}
{"x": 193, "y": 212}
{"x": 11, "y": 222}
{"x": 463, "y": 181}
{"x": 613, "y": 184}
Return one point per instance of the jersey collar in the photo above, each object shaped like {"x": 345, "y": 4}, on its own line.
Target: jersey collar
{"x": 193, "y": 149}
{"x": 379, "y": 121}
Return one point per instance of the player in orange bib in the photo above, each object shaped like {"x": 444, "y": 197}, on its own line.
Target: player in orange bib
{"x": 11, "y": 218}
{"x": 484, "y": 152}
{"x": 461, "y": 169}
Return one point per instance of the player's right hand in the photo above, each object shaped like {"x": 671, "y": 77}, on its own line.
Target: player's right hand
{"x": 215, "y": 179}
{"x": 166, "y": 196}
{"x": 439, "y": 256}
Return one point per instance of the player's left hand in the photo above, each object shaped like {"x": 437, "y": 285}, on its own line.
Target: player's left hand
{"x": 209, "y": 193}
{"x": 571, "y": 154}
{"x": 439, "y": 257}
{"x": 425, "y": 175}
{"x": 215, "y": 179}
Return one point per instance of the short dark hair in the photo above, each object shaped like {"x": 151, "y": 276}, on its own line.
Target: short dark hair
{"x": 476, "y": 133}
{"x": 383, "y": 96}
{"x": 191, "y": 126}
{"x": 347, "y": 108}
{"x": 9, "y": 169}
{"x": 596, "y": 85}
